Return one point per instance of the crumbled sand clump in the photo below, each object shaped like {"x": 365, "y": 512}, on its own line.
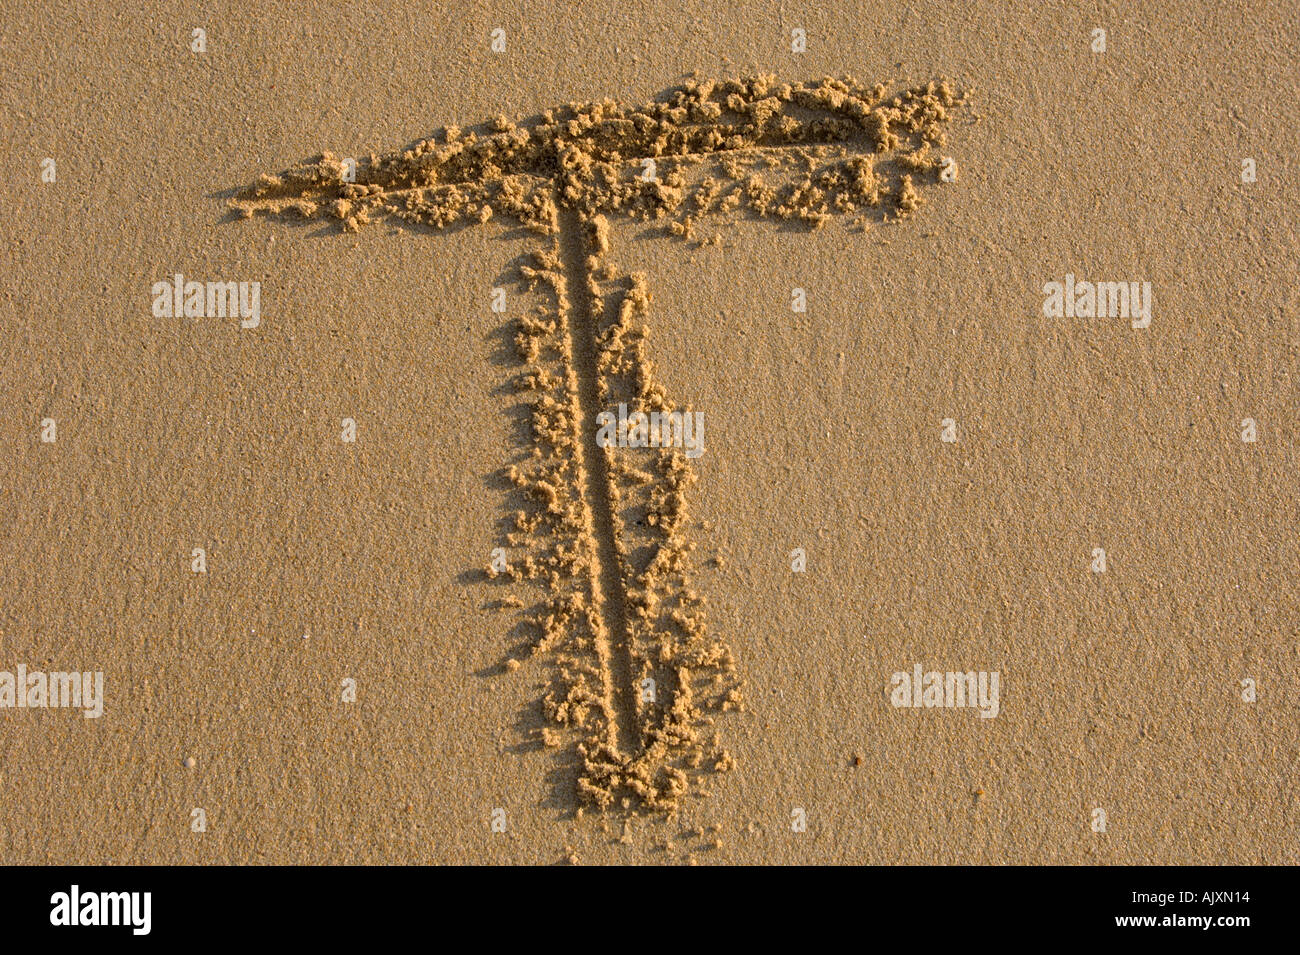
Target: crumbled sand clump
{"x": 592, "y": 157}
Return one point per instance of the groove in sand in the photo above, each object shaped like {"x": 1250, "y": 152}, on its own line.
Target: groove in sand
{"x": 610, "y": 600}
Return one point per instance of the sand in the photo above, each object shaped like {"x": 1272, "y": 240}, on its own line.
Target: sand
{"x": 364, "y": 584}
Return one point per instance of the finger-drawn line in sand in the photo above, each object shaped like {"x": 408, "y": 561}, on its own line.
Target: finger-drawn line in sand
{"x": 635, "y": 674}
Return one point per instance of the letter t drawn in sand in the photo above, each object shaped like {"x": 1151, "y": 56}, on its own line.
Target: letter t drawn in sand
{"x": 635, "y": 676}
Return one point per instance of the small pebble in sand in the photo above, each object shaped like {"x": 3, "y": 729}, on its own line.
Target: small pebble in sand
{"x": 190, "y": 762}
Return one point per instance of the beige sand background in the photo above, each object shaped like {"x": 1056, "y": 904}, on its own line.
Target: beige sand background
{"x": 1120, "y": 690}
